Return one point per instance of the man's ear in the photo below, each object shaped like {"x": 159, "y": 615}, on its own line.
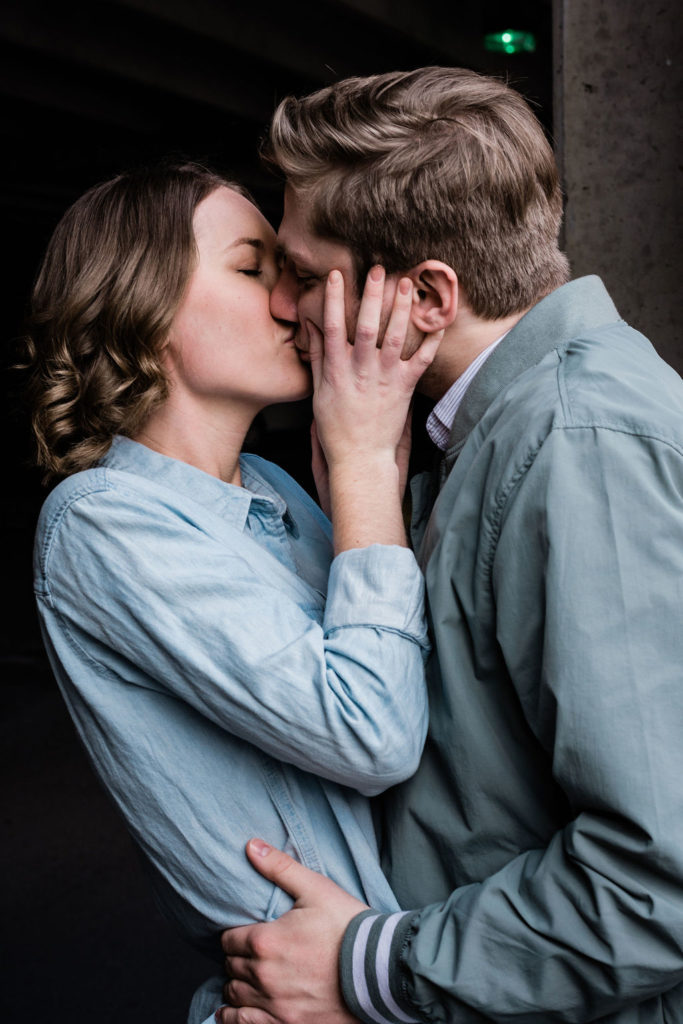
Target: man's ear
{"x": 435, "y": 295}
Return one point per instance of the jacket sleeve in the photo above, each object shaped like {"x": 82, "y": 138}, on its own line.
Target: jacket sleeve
{"x": 587, "y": 574}
{"x": 164, "y": 603}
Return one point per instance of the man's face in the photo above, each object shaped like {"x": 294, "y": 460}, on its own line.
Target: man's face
{"x": 306, "y": 260}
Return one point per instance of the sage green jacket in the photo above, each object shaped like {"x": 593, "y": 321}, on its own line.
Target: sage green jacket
{"x": 542, "y": 835}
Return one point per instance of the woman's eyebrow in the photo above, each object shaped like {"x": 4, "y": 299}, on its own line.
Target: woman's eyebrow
{"x": 257, "y": 243}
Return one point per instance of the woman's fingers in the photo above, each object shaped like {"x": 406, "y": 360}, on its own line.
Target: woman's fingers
{"x": 367, "y": 341}
{"x": 397, "y": 327}
{"x": 369, "y": 317}
{"x": 369, "y": 352}
{"x": 423, "y": 358}
{"x": 334, "y": 319}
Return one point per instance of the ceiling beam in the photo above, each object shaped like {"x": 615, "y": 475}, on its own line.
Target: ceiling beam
{"x": 452, "y": 31}
{"x": 133, "y": 50}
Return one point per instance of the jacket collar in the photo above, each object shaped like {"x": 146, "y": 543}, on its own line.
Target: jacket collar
{"x": 575, "y": 307}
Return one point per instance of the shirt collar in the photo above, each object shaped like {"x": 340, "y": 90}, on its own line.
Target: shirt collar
{"x": 440, "y": 419}
{"x": 231, "y": 502}
{"x": 577, "y": 306}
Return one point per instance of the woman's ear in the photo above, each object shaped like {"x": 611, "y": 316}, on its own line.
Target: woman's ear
{"x": 435, "y": 296}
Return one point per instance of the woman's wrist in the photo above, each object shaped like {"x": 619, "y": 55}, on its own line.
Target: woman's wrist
{"x": 363, "y": 463}
{"x": 366, "y": 502}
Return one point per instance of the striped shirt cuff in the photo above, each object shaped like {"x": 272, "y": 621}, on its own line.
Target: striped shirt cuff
{"x": 370, "y": 956}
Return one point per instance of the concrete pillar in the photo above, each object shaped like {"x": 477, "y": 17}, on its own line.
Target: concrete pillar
{"x": 617, "y": 86}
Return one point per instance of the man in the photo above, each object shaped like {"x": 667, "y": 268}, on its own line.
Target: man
{"x": 542, "y": 835}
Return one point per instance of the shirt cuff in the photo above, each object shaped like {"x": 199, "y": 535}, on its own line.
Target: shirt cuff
{"x": 380, "y": 585}
{"x": 370, "y": 967}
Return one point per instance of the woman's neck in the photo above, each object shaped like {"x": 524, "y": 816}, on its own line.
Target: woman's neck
{"x": 208, "y": 437}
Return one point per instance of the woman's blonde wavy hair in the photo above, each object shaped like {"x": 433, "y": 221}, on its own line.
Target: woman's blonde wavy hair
{"x": 110, "y": 283}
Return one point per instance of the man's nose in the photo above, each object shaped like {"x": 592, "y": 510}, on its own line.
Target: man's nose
{"x": 283, "y": 299}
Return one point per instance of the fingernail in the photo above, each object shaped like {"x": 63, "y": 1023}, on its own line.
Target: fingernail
{"x": 335, "y": 277}
{"x": 405, "y": 285}
{"x": 259, "y": 847}
{"x": 376, "y": 273}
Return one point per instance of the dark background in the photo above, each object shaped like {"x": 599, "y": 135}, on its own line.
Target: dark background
{"x": 91, "y": 89}
{"x": 88, "y": 90}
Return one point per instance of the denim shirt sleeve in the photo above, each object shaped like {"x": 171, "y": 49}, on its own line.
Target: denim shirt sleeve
{"x": 172, "y": 606}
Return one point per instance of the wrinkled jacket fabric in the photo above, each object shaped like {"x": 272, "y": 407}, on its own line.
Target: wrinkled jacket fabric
{"x": 543, "y": 832}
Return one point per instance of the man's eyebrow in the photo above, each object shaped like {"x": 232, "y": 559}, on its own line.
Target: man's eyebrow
{"x": 282, "y": 253}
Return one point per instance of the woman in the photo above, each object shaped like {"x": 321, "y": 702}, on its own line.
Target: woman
{"x": 227, "y": 674}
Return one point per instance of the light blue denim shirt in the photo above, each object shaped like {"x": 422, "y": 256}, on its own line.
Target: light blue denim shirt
{"x": 228, "y": 677}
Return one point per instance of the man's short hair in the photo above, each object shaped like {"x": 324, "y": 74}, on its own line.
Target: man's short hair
{"x": 438, "y": 163}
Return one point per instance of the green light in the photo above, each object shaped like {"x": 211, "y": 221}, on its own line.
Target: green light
{"x": 510, "y": 41}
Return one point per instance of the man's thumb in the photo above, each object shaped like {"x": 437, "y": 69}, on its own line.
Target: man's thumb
{"x": 283, "y": 870}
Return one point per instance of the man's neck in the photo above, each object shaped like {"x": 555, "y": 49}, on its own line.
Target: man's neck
{"x": 466, "y": 338}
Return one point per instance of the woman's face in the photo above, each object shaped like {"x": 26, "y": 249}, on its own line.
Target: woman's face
{"x": 224, "y": 345}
